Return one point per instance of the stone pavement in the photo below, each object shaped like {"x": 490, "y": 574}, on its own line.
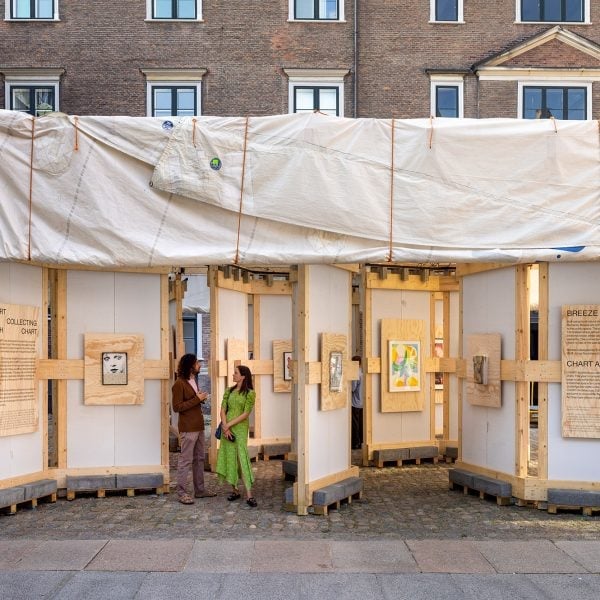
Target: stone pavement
{"x": 410, "y": 537}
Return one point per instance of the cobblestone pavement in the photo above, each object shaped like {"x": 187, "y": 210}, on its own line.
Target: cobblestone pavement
{"x": 409, "y": 502}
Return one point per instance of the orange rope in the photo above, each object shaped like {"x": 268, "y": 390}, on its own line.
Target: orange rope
{"x": 430, "y": 131}
{"x": 237, "y": 244}
{"x": 194, "y": 132}
{"x": 390, "y": 255}
{"x": 76, "y": 119}
{"x": 30, "y": 187}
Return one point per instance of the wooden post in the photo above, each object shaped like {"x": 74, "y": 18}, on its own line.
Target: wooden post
{"x": 521, "y": 353}
{"x": 165, "y": 384}
{"x": 367, "y": 384}
{"x": 543, "y": 386}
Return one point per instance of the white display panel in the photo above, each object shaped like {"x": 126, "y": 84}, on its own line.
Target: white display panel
{"x": 488, "y": 434}
{"x": 275, "y": 324}
{"x": 454, "y": 351}
{"x": 100, "y": 436}
{"x": 22, "y": 454}
{"x": 392, "y": 428}
{"x": 329, "y": 310}
{"x": 569, "y": 458}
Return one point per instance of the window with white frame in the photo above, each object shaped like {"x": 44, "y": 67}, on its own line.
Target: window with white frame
{"x": 553, "y": 11}
{"x": 316, "y": 90}
{"x": 173, "y": 92}
{"x": 561, "y": 102}
{"x": 446, "y": 11}
{"x": 32, "y": 9}
{"x": 32, "y": 91}
{"x": 447, "y": 96}
{"x": 174, "y": 10}
{"x": 316, "y": 10}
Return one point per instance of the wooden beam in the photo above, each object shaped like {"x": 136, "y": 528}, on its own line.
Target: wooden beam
{"x": 543, "y": 327}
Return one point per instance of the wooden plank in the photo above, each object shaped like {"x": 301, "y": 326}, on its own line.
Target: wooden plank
{"x": 49, "y": 368}
{"x": 368, "y": 363}
{"x": 44, "y": 350}
{"x": 255, "y": 366}
{"x": 60, "y": 333}
{"x": 413, "y": 283}
{"x": 488, "y": 345}
{"x": 444, "y": 366}
{"x": 543, "y": 327}
{"x": 301, "y": 489}
{"x": 165, "y": 385}
{"x": 522, "y": 285}
{"x": 473, "y": 268}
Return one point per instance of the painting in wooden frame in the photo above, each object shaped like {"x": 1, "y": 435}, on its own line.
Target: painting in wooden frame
{"x": 404, "y": 365}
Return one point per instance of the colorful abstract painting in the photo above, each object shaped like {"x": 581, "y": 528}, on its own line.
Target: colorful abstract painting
{"x": 404, "y": 370}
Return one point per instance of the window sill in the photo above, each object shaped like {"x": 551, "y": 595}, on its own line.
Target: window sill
{"x": 174, "y": 20}
{"x": 553, "y": 23}
{"x": 330, "y": 21}
{"x": 447, "y": 22}
{"x": 32, "y": 20}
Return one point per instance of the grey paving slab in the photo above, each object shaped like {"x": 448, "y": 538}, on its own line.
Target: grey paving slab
{"x": 261, "y": 586}
{"x": 142, "y": 555}
{"x": 430, "y": 586}
{"x": 587, "y": 554}
{"x": 60, "y": 555}
{"x": 25, "y": 585}
{"x": 12, "y": 551}
{"x": 221, "y": 556}
{"x": 563, "y": 587}
{"x": 183, "y": 586}
{"x": 90, "y": 585}
{"x": 497, "y": 587}
{"x": 339, "y": 586}
{"x": 448, "y": 556}
{"x": 291, "y": 557}
{"x": 385, "y": 556}
{"x": 540, "y": 556}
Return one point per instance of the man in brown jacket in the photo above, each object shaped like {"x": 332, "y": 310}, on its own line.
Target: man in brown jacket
{"x": 187, "y": 402}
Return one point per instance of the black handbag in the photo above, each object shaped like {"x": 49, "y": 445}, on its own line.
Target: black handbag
{"x": 219, "y": 432}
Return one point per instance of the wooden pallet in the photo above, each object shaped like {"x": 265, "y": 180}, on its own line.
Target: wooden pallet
{"x": 130, "y": 492}
{"x": 587, "y": 511}
{"x": 414, "y": 461}
{"x": 323, "y": 510}
{"x": 31, "y": 503}
{"x": 500, "y": 500}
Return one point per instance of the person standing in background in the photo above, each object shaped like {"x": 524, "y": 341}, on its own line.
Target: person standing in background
{"x": 187, "y": 402}
{"x": 357, "y": 408}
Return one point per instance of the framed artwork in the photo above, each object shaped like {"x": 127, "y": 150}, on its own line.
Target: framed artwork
{"x": 114, "y": 368}
{"x": 404, "y": 366}
{"x": 336, "y": 367}
{"x": 439, "y": 352}
{"x": 287, "y": 366}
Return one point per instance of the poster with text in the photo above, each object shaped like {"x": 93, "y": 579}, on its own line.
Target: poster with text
{"x": 19, "y": 329}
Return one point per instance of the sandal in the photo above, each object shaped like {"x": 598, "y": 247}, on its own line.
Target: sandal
{"x": 252, "y": 502}
{"x": 185, "y": 499}
{"x": 234, "y": 496}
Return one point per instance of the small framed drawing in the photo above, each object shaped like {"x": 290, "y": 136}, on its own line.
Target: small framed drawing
{"x": 287, "y": 366}
{"x": 404, "y": 366}
{"x": 336, "y": 367}
{"x": 114, "y": 368}
{"x": 439, "y": 353}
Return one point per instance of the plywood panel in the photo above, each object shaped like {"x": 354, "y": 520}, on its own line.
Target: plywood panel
{"x": 99, "y": 386}
{"x": 404, "y": 330}
{"x": 487, "y": 345}
{"x": 282, "y": 376}
{"x": 334, "y": 355}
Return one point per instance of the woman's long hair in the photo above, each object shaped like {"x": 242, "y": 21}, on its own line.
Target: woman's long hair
{"x": 186, "y": 363}
{"x": 247, "y": 384}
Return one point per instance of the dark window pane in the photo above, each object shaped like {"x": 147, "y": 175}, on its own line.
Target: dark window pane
{"x": 44, "y": 9}
{"x": 554, "y": 102}
{"x": 186, "y": 103}
{"x": 164, "y": 9}
{"x": 532, "y": 102}
{"x": 305, "y": 99}
{"x": 305, "y": 9}
{"x": 21, "y": 100}
{"x": 23, "y": 9}
{"x": 576, "y": 104}
{"x": 44, "y": 101}
{"x": 552, "y": 10}
{"x": 446, "y": 10}
{"x": 574, "y": 10}
{"x": 329, "y": 9}
{"x": 530, "y": 10}
{"x": 328, "y": 101}
{"x": 186, "y": 9}
{"x": 446, "y": 101}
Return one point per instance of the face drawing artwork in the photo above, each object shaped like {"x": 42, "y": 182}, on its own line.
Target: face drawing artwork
{"x": 114, "y": 368}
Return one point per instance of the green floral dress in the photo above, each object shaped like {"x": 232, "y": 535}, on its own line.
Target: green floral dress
{"x": 233, "y": 460}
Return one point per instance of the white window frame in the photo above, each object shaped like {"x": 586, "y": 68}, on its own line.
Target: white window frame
{"x": 341, "y": 14}
{"x": 461, "y": 16}
{"x": 9, "y": 4}
{"x": 316, "y": 78}
{"x": 448, "y": 80}
{"x": 149, "y": 12}
{"x": 173, "y": 78}
{"x": 586, "y": 16}
{"x": 559, "y": 83}
{"x": 34, "y": 78}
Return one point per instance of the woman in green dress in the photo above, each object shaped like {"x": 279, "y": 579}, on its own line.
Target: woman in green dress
{"x": 233, "y": 460}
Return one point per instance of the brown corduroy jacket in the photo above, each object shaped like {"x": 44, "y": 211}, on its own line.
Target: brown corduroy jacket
{"x": 188, "y": 405}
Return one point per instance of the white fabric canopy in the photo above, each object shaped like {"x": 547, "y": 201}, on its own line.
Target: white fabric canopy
{"x": 307, "y": 188}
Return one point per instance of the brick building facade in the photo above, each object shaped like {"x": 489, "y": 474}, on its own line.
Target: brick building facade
{"x": 409, "y": 59}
